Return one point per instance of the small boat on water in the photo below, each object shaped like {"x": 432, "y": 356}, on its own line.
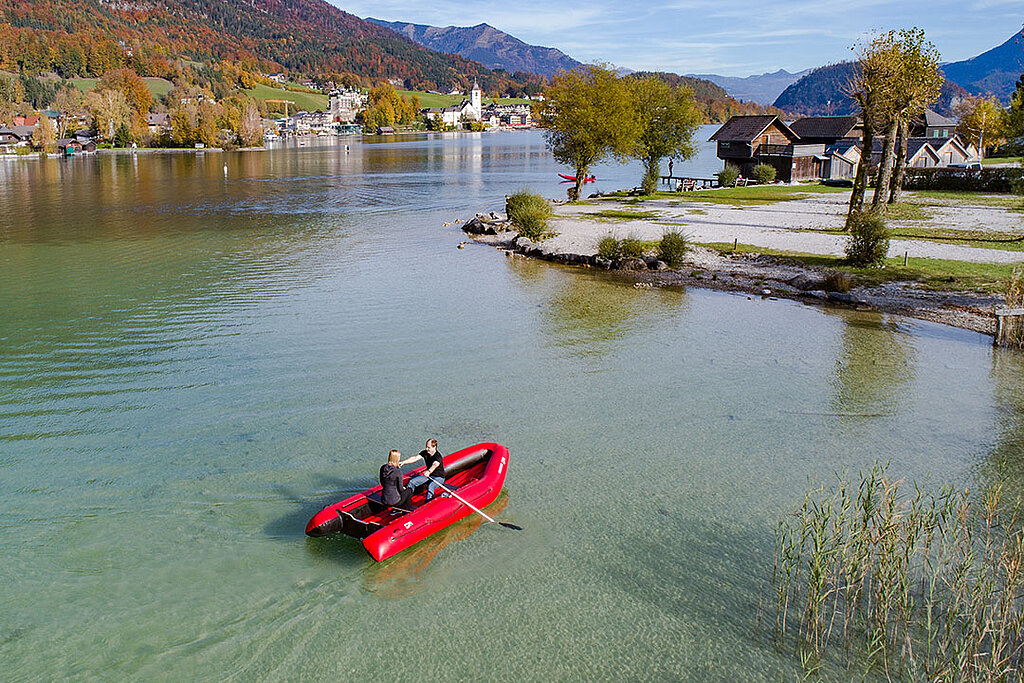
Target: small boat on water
{"x": 476, "y": 474}
{"x": 588, "y": 179}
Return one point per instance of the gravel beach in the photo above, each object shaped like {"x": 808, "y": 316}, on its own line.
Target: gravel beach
{"x": 804, "y": 223}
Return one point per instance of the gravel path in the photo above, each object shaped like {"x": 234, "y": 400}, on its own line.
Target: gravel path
{"x": 781, "y": 225}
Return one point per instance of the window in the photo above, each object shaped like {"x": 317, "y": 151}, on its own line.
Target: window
{"x": 765, "y": 139}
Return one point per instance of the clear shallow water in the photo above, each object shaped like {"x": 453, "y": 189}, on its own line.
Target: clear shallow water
{"x": 191, "y": 365}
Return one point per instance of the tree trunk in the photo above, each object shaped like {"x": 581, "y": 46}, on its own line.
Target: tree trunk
{"x": 901, "y": 163}
{"x": 577, "y": 190}
{"x": 860, "y": 182}
{"x": 885, "y": 167}
{"x": 652, "y": 170}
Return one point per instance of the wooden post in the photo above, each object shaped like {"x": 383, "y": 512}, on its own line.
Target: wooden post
{"x": 905, "y": 259}
{"x": 734, "y": 241}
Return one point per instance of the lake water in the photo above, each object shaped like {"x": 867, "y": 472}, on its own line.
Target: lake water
{"x": 193, "y": 362}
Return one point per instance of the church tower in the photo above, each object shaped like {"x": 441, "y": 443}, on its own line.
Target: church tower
{"x": 476, "y": 100}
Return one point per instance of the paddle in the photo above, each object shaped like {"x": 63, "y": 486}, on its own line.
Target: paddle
{"x": 474, "y": 509}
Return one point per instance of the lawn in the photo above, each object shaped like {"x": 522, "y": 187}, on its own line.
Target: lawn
{"x": 1002, "y": 160}
{"x": 158, "y": 87}
{"x": 744, "y": 196}
{"x": 303, "y": 101}
{"x": 933, "y": 274}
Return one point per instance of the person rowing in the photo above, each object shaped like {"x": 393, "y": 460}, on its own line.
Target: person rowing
{"x": 434, "y": 474}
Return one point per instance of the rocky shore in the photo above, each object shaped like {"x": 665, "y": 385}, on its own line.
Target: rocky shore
{"x": 754, "y": 274}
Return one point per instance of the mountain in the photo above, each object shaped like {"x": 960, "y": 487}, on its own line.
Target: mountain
{"x": 485, "y": 44}
{"x": 763, "y": 89}
{"x": 822, "y": 93}
{"x": 991, "y": 73}
{"x": 84, "y": 37}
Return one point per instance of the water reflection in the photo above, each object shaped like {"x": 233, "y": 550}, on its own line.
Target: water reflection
{"x": 875, "y": 360}
{"x": 1006, "y": 461}
{"x": 590, "y": 310}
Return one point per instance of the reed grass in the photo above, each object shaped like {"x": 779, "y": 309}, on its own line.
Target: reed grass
{"x": 908, "y": 583}
{"x": 1011, "y": 332}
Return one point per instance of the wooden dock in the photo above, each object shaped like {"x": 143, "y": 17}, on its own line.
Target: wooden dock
{"x": 688, "y": 182}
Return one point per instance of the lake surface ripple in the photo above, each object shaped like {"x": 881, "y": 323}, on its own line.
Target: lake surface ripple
{"x": 194, "y": 361}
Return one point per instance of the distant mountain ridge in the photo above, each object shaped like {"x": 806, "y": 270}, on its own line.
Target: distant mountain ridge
{"x": 822, "y": 93}
{"x": 994, "y": 72}
{"x": 483, "y": 43}
{"x": 763, "y": 89}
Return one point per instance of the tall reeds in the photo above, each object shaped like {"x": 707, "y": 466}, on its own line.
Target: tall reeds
{"x": 909, "y": 583}
{"x": 1011, "y": 329}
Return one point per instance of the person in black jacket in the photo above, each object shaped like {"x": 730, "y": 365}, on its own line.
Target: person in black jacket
{"x": 435, "y": 470}
{"x": 393, "y": 492}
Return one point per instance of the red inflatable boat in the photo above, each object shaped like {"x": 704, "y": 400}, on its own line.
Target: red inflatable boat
{"x": 588, "y": 179}
{"x": 476, "y": 473}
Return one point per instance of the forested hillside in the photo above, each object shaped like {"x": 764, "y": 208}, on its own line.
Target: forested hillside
{"x": 306, "y": 37}
{"x": 716, "y": 104}
{"x": 823, "y": 93}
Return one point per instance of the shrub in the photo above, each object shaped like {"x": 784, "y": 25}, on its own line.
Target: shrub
{"x": 529, "y": 213}
{"x": 728, "y": 175}
{"x": 609, "y": 248}
{"x": 764, "y": 173}
{"x": 673, "y": 247}
{"x": 632, "y": 247}
{"x": 868, "y": 243}
{"x": 837, "y": 281}
{"x": 960, "y": 180}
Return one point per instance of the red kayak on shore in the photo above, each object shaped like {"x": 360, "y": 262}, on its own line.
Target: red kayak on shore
{"x": 476, "y": 474}
{"x": 588, "y": 179}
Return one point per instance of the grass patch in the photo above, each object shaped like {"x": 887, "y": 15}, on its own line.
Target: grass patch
{"x": 158, "y": 87}
{"x": 1002, "y": 160}
{"x": 905, "y": 211}
{"x": 620, "y": 215}
{"x": 304, "y": 101}
{"x": 697, "y": 212}
{"x": 760, "y": 195}
{"x": 931, "y": 274}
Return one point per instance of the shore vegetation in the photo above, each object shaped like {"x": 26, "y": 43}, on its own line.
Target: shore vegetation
{"x": 530, "y": 214}
{"x": 902, "y": 582}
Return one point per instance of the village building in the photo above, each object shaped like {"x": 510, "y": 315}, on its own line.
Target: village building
{"x": 343, "y": 105}
{"x": 508, "y": 115}
{"x": 311, "y": 122}
{"x": 158, "y": 123}
{"x": 467, "y": 110}
{"x": 830, "y": 147}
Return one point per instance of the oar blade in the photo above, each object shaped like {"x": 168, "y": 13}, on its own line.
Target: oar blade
{"x": 510, "y": 526}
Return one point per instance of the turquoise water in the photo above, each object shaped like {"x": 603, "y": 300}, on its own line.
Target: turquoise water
{"x": 192, "y": 363}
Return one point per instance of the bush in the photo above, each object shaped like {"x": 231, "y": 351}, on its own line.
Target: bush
{"x": 764, "y": 173}
{"x": 529, "y": 213}
{"x": 632, "y": 247}
{"x": 868, "y": 243}
{"x": 728, "y": 175}
{"x": 673, "y": 247}
{"x": 959, "y": 179}
{"x": 837, "y": 281}
{"x": 609, "y": 248}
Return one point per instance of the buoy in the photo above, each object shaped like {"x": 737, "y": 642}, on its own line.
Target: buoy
{"x": 225, "y": 169}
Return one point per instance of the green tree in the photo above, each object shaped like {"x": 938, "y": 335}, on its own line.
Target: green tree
{"x": 588, "y": 116}
{"x": 667, "y": 119}
{"x": 1014, "y": 122}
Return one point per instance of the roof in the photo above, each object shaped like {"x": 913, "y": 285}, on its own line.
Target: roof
{"x": 914, "y": 146}
{"x": 746, "y": 128}
{"x": 158, "y": 119}
{"x": 935, "y": 119}
{"x": 824, "y": 126}
{"x": 23, "y": 131}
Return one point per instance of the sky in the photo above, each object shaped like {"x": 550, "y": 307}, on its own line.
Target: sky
{"x": 726, "y": 37}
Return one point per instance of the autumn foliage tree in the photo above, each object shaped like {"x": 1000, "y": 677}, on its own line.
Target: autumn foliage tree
{"x": 981, "y": 122}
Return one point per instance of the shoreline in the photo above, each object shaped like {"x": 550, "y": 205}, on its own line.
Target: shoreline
{"x": 755, "y": 274}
